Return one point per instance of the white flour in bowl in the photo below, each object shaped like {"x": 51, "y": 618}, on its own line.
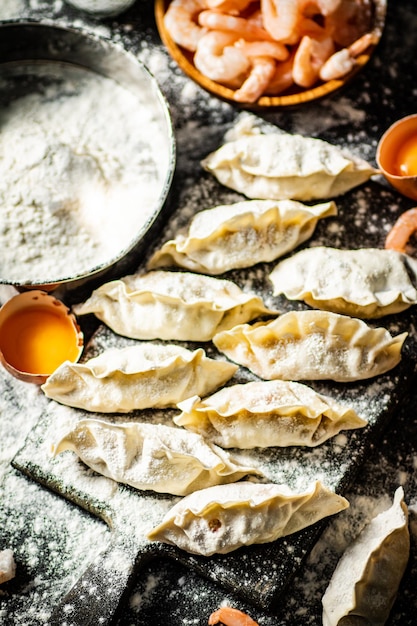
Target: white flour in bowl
{"x": 83, "y": 163}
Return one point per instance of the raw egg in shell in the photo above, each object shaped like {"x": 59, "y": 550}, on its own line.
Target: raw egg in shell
{"x": 37, "y": 334}
{"x": 397, "y": 155}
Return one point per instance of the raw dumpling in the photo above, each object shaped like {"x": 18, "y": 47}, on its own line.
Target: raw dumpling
{"x": 366, "y": 283}
{"x": 172, "y": 305}
{"x": 143, "y": 376}
{"x": 365, "y": 582}
{"x": 241, "y": 235}
{"x": 151, "y": 456}
{"x": 221, "y": 519}
{"x": 266, "y": 413}
{"x": 278, "y": 165}
{"x": 312, "y": 345}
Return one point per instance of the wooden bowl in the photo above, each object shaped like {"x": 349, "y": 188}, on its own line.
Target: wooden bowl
{"x": 396, "y": 155}
{"x": 295, "y": 96}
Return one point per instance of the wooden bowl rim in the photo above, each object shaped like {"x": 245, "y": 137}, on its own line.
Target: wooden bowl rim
{"x": 300, "y": 97}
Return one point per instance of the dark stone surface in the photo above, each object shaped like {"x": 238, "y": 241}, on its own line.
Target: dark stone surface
{"x": 53, "y": 540}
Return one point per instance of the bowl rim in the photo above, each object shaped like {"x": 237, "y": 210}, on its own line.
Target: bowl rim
{"x": 280, "y": 101}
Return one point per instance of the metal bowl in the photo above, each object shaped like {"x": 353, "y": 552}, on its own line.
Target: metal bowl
{"x": 30, "y": 48}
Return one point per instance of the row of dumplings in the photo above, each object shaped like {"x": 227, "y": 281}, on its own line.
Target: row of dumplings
{"x": 183, "y": 306}
{"x": 219, "y": 511}
{"x": 275, "y": 171}
{"x": 366, "y": 283}
{"x": 192, "y": 461}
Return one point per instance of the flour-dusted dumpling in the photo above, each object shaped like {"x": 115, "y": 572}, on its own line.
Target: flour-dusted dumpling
{"x": 221, "y": 519}
{"x": 143, "y": 376}
{"x": 241, "y": 235}
{"x": 279, "y": 165}
{"x": 312, "y": 345}
{"x": 172, "y": 305}
{"x": 365, "y": 582}
{"x": 267, "y": 413}
{"x": 151, "y": 456}
{"x": 366, "y": 283}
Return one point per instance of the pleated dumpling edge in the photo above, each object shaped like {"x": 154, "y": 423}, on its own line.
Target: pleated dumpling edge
{"x": 221, "y": 519}
{"x": 278, "y": 165}
{"x": 241, "y": 235}
{"x": 312, "y": 345}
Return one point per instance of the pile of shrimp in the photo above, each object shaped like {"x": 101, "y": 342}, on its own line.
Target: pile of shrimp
{"x": 266, "y": 47}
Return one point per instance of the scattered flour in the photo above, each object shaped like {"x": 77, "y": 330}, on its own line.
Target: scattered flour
{"x": 53, "y": 540}
{"x": 11, "y": 9}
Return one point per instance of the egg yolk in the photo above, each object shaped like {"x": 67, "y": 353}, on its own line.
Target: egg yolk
{"x": 407, "y": 157}
{"x": 37, "y": 340}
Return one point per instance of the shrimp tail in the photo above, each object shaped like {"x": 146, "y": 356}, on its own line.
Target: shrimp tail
{"x": 401, "y": 232}
{"x": 343, "y": 61}
{"x": 261, "y": 74}
{"x": 230, "y": 617}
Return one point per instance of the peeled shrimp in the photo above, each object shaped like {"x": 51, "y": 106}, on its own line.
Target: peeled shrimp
{"x": 288, "y": 20}
{"x": 282, "y": 78}
{"x": 263, "y": 70}
{"x": 281, "y": 19}
{"x": 217, "y": 58}
{"x": 180, "y": 24}
{"x": 229, "y": 6}
{"x": 343, "y": 61}
{"x": 272, "y": 49}
{"x": 230, "y": 617}
{"x": 216, "y": 20}
{"x": 309, "y": 58}
{"x": 401, "y": 232}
